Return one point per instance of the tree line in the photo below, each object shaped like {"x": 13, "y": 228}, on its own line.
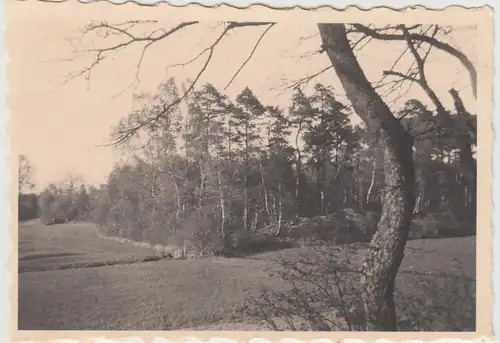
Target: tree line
{"x": 215, "y": 166}
{"x": 27, "y": 199}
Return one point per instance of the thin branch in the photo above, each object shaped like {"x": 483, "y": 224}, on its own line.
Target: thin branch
{"x": 250, "y": 55}
{"x": 359, "y": 41}
{"x": 124, "y": 133}
{"x": 422, "y": 81}
{"x": 307, "y": 79}
{"x": 400, "y": 75}
{"x": 399, "y": 84}
{"x": 101, "y": 52}
{"x": 127, "y": 133}
{"x": 466, "y": 62}
{"x": 381, "y": 83}
{"x": 420, "y": 70}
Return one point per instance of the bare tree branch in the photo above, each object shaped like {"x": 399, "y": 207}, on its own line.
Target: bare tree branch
{"x": 250, "y": 55}
{"x": 365, "y": 38}
{"x": 122, "y": 30}
{"x": 305, "y": 80}
{"x": 422, "y": 81}
{"x": 125, "y": 132}
{"x": 401, "y": 75}
{"x": 466, "y": 62}
{"x": 420, "y": 70}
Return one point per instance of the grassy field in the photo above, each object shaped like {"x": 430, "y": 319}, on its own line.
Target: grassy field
{"x": 59, "y": 291}
{"x": 66, "y": 246}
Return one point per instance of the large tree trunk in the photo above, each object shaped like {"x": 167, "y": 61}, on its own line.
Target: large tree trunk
{"x": 388, "y": 244}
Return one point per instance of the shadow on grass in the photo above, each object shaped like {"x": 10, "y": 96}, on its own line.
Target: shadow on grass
{"x": 26, "y": 269}
{"x": 42, "y": 256}
{"x": 253, "y": 246}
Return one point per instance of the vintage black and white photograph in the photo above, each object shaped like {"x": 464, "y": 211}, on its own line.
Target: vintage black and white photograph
{"x": 191, "y": 171}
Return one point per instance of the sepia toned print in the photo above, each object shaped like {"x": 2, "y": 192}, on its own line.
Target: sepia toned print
{"x": 210, "y": 170}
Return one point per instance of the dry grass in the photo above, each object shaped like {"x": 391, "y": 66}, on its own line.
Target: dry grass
{"x": 163, "y": 295}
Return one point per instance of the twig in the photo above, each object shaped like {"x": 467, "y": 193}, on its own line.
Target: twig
{"x": 250, "y": 55}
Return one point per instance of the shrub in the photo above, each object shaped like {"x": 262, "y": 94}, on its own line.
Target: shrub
{"x": 199, "y": 233}
{"x": 27, "y": 207}
{"x": 441, "y": 225}
{"x": 426, "y": 227}
{"x": 323, "y": 293}
{"x": 243, "y": 243}
{"x": 342, "y": 227}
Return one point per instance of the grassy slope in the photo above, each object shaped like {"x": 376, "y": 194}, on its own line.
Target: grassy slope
{"x": 78, "y": 245}
{"x": 168, "y": 294}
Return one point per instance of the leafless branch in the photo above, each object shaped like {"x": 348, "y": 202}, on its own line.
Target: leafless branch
{"x": 366, "y": 39}
{"x": 307, "y": 79}
{"x": 422, "y": 81}
{"x": 418, "y": 75}
{"x": 382, "y": 34}
{"x": 122, "y": 30}
{"x": 398, "y": 84}
{"x": 400, "y": 75}
{"x": 250, "y": 55}
{"x": 125, "y": 132}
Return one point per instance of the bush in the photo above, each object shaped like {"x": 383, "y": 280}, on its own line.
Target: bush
{"x": 246, "y": 243}
{"x": 199, "y": 234}
{"x": 427, "y": 227}
{"x": 441, "y": 225}
{"x": 364, "y": 222}
{"x": 343, "y": 227}
{"x": 27, "y": 207}
{"x": 323, "y": 293}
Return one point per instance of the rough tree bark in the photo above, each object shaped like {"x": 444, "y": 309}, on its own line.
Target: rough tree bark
{"x": 388, "y": 244}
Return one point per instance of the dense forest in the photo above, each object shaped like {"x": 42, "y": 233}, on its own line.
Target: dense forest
{"x": 215, "y": 167}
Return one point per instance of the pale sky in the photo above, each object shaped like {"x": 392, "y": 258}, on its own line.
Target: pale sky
{"x": 59, "y": 127}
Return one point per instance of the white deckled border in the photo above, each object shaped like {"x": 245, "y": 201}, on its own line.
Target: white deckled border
{"x": 138, "y": 337}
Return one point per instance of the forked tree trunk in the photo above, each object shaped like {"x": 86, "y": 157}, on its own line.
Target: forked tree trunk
{"x": 388, "y": 244}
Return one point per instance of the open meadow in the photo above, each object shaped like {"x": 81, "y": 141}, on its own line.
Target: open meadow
{"x": 71, "y": 279}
